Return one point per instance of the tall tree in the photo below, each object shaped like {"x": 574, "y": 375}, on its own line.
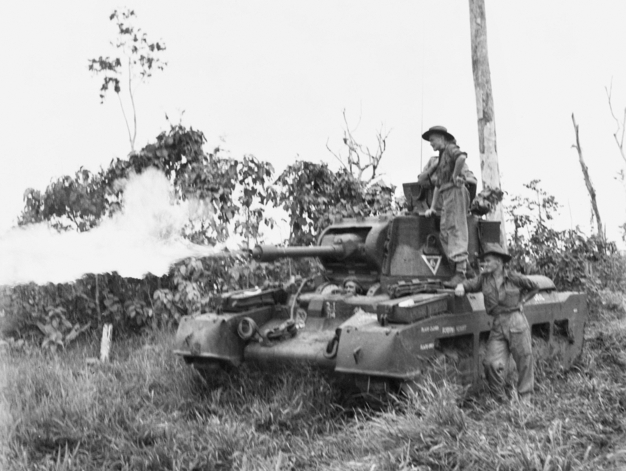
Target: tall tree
{"x": 137, "y": 59}
{"x": 490, "y": 170}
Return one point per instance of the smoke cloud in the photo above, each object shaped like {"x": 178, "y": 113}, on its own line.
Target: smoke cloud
{"x": 143, "y": 238}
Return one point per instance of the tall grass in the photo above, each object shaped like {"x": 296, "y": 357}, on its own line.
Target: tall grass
{"x": 146, "y": 410}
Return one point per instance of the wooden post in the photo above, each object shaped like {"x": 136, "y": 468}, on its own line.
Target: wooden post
{"x": 490, "y": 170}
{"x": 105, "y": 345}
{"x": 97, "y": 300}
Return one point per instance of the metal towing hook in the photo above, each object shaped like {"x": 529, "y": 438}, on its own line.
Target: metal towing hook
{"x": 248, "y": 330}
{"x": 286, "y": 330}
{"x": 333, "y": 346}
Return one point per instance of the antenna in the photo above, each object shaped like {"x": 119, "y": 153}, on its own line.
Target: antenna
{"x": 422, "y": 123}
{"x": 422, "y": 99}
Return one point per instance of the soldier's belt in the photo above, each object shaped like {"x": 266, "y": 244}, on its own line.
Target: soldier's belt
{"x": 504, "y": 310}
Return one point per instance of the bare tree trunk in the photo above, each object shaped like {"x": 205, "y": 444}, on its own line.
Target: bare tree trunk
{"x": 590, "y": 189}
{"x": 490, "y": 170}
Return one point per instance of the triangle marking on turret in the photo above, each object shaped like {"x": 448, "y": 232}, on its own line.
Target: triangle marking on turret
{"x": 433, "y": 262}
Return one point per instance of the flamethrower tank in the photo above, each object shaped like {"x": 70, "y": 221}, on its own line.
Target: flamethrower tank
{"x": 394, "y": 332}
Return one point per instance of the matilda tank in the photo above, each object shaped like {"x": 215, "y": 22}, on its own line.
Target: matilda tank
{"x": 391, "y": 333}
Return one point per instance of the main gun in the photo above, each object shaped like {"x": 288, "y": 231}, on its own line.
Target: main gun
{"x": 342, "y": 246}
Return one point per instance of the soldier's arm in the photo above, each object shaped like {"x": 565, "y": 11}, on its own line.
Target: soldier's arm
{"x": 468, "y": 174}
{"x": 458, "y": 165}
{"x": 469, "y": 286}
{"x": 473, "y": 285}
{"x": 459, "y": 162}
{"x": 429, "y": 212}
{"x": 524, "y": 282}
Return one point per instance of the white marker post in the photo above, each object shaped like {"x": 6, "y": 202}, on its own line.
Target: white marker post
{"x": 105, "y": 345}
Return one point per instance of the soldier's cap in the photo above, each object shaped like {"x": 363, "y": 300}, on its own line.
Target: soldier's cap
{"x": 497, "y": 250}
{"x": 438, "y": 130}
{"x": 354, "y": 280}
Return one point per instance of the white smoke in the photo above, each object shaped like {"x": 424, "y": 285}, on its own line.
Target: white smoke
{"x": 142, "y": 238}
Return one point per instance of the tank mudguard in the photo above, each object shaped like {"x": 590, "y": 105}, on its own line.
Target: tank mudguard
{"x": 366, "y": 347}
{"x": 214, "y": 336}
{"x": 401, "y": 351}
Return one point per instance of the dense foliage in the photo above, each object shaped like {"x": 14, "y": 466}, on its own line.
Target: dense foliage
{"x": 573, "y": 260}
{"x": 313, "y": 195}
{"x": 234, "y": 196}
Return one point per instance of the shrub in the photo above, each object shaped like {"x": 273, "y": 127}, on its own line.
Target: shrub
{"x": 573, "y": 260}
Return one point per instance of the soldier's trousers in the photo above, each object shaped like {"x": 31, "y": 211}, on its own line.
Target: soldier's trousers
{"x": 510, "y": 334}
{"x": 454, "y": 233}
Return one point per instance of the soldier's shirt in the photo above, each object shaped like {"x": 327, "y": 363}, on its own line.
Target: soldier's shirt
{"x": 504, "y": 298}
{"x": 447, "y": 160}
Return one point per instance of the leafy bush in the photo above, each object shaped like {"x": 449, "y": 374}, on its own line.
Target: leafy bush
{"x": 234, "y": 196}
{"x": 573, "y": 260}
{"x": 313, "y": 195}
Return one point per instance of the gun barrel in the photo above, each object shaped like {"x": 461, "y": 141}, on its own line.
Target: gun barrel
{"x": 269, "y": 253}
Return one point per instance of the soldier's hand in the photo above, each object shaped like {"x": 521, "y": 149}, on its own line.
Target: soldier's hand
{"x": 429, "y": 212}
{"x": 459, "y": 290}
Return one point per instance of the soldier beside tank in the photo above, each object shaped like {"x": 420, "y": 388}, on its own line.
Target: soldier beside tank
{"x": 449, "y": 185}
{"x": 504, "y": 293}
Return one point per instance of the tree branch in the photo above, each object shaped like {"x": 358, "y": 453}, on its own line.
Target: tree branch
{"x": 621, "y": 126}
{"x": 132, "y": 101}
{"x": 360, "y": 158}
{"x": 336, "y": 156}
{"x": 588, "y": 184}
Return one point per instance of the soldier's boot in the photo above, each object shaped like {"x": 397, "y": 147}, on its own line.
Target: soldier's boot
{"x": 470, "y": 273}
{"x": 459, "y": 276}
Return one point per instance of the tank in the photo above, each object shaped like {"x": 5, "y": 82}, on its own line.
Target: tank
{"x": 402, "y": 323}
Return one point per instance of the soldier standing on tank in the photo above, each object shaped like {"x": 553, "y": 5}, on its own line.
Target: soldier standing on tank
{"x": 427, "y": 179}
{"x": 450, "y": 186}
{"x": 503, "y": 293}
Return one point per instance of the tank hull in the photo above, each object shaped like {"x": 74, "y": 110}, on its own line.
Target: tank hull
{"x": 400, "y": 325}
{"x": 381, "y": 338}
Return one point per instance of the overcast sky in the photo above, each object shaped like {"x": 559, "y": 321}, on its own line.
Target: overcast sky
{"x": 271, "y": 78}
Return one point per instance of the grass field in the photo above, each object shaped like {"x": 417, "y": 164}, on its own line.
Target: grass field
{"x": 146, "y": 410}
